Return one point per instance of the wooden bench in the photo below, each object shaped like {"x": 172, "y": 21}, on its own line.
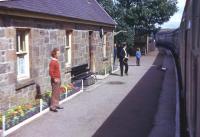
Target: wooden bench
{"x": 82, "y": 72}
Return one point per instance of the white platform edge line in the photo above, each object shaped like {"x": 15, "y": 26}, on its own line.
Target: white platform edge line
{"x": 70, "y": 97}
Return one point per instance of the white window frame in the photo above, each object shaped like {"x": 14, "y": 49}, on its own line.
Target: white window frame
{"x": 68, "y": 45}
{"x": 104, "y": 45}
{"x": 22, "y": 51}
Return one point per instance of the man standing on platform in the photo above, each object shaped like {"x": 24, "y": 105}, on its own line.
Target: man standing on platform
{"x": 123, "y": 59}
{"x": 54, "y": 72}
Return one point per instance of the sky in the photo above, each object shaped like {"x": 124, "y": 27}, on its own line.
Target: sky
{"x": 175, "y": 20}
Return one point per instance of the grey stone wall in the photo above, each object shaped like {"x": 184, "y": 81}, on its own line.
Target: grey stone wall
{"x": 7, "y": 66}
{"x": 43, "y": 41}
{"x": 99, "y": 62}
{"x": 44, "y": 36}
{"x": 80, "y": 47}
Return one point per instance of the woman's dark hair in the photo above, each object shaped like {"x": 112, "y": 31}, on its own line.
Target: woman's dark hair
{"x": 53, "y": 52}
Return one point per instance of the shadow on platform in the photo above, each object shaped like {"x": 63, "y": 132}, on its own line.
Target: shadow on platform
{"x": 135, "y": 114}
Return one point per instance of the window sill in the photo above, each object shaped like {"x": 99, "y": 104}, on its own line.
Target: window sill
{"x": 67, "y": 65}
{"x": 67, "y": 47}
{"x": 105, "y": 58}
{"x": 21, "y": 52}
{"x": 68, "y": 68}
{"x": 24, "y": 83}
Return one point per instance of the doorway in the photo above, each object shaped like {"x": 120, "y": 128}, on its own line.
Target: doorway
{"x": 91, "y": 52}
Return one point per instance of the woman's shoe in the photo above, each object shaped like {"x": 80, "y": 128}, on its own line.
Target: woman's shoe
{"x": 54, "y": 110}
{"x": 59, "y": 107}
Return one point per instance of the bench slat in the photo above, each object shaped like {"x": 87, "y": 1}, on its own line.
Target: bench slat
{"x": 81, "y": 72}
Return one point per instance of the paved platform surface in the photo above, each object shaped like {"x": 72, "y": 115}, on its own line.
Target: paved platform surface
{"x": 128, "y": 106}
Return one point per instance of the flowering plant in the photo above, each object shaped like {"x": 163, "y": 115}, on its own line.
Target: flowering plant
{"x": 20, "y": 113}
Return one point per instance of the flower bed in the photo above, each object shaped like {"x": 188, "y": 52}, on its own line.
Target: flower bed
{"x": 46, "y": 97}
{"x": 72, "y": 88}
{"x": 20, "y": 113}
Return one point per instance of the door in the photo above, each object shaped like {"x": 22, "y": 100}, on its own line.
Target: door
{"x": 91, "y": 52}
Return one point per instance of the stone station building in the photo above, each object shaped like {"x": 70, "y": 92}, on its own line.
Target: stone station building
{"x": 29, "y": 30}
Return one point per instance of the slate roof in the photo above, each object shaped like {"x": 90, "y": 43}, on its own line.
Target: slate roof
{"x": 88, "y": 10}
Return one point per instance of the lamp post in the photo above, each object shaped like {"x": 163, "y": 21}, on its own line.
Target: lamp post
{"x": 116, "y": 33}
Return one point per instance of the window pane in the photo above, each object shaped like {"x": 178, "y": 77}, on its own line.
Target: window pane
{"x": 67, "y": 40}
{"x": 18, "y": 42}
{"x": 68, "y": 48}
{"x": 104, "y": 39}
{"x": 66, "y": 55}
{"x": 21, "y": 65}
{"x": 22, "y": 44}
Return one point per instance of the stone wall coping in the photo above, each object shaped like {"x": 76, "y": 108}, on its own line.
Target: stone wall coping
{"x": 24, "y": 83}
{"x": 105, "y": 58}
